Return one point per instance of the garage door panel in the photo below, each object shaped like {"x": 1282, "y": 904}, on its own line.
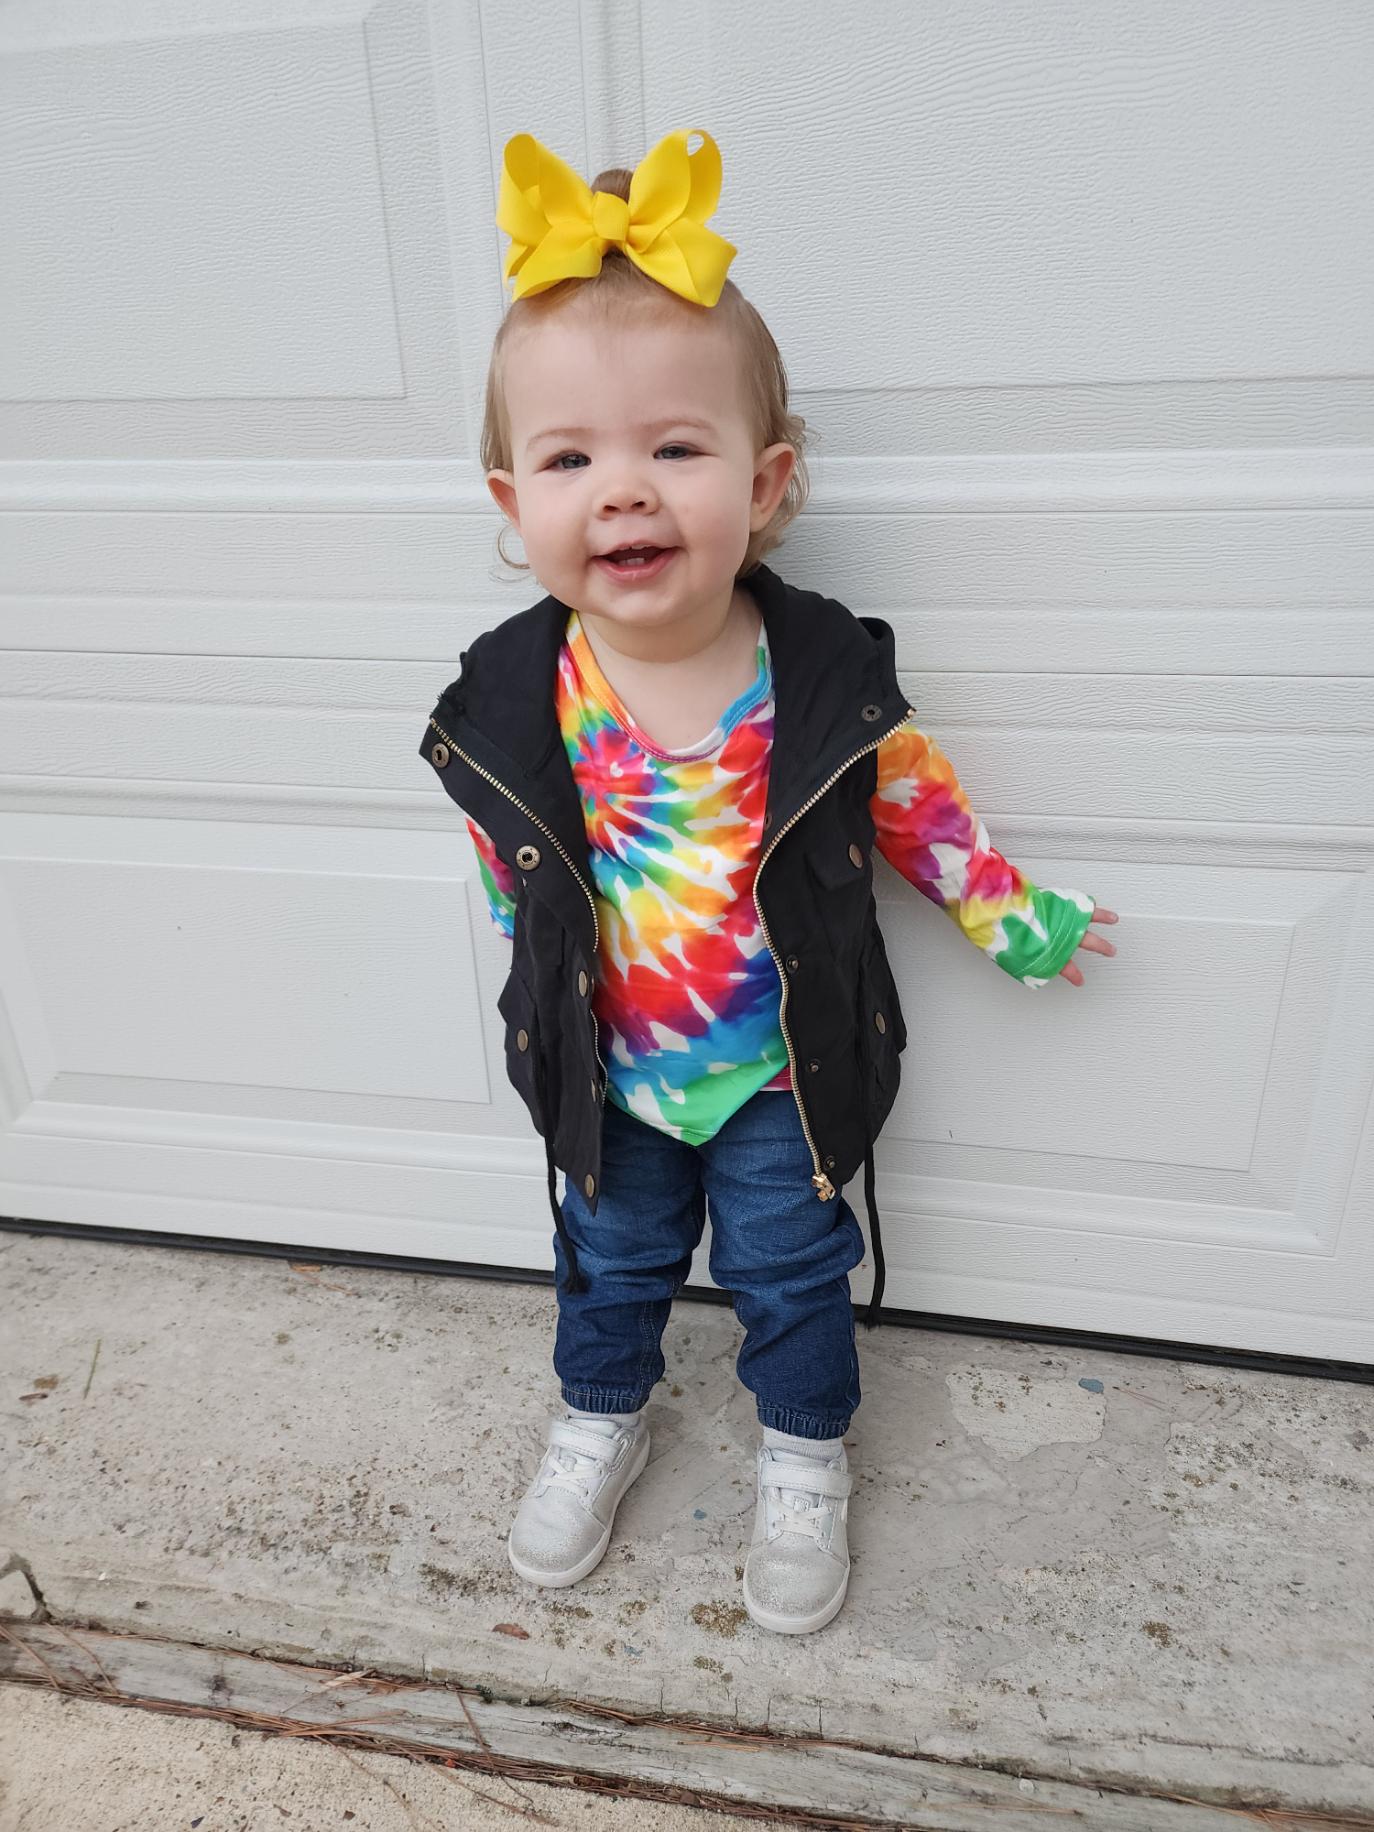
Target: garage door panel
{"x": 1279, "y": 776}
{"x": 1121, "y": 522}
{"x": 1259, "y": 704}
{"x": 1011, "y": 1070}
{"x": 170, "y": 968}
{"x": 232, "y": 221}
{"x": 259, "y": 297}
{"x": 1214, "y": 1089}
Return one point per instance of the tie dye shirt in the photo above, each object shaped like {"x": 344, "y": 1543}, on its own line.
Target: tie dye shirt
{"x": 688, "y": 994}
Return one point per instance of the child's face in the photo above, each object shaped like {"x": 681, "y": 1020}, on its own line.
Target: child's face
{"x": 642, "y": 472}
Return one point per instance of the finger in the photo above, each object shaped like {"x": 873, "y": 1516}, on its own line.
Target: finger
{"x": 1101, "y": 914}
{"x": 1072, "y": 974}
{"x": 1096, "y": 944}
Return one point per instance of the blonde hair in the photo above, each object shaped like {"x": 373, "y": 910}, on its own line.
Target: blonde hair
{"x": 619, "y": 291}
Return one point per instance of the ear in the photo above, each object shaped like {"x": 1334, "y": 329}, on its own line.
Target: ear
{"x": 502, "y": 486}
{"x": 772, "y": 473}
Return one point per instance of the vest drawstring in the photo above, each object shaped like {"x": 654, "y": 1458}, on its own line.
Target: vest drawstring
{"x": 576, "y": 1280}
{"x": 871, "y": 1315}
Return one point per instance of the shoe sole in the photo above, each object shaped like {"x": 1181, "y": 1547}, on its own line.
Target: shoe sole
{"x": 796, "y": 1625}
{"x": 556, "y": 1580}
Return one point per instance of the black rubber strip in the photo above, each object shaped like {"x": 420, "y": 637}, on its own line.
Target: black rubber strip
{"x": 1311, "y": 1367}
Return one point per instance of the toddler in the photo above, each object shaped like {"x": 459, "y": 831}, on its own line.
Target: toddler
{"x": 675, "y": 768}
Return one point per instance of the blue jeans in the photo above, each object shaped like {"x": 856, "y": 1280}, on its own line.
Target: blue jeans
{"x": 782, "y": 1253}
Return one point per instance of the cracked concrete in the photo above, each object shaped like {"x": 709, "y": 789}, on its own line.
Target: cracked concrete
{"x": 58, "y": 1754}
{"x": 1065, "y": 1563}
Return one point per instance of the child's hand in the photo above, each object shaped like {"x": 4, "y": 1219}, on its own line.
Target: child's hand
{"x": 1093, "y": 943}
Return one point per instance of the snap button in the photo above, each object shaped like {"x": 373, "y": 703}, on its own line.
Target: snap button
{"x": 871, "y": 713}
{"x": 830, "y": 1164}
{"x": 582, "y": 983}
{"x": 880, "y": 1021}
{"x": 589, "y": 1184}
{"x": 814, "y": 1067}
{"x": 522, "y": 1040}
{"x": 856, "y": 856}
{"x": 767, "y": 822}
{"x": 527, "y": 857}
{"x": 792, "y": 963}
{"x": 596, "y": 1088}
{"x": 439, "y": 756}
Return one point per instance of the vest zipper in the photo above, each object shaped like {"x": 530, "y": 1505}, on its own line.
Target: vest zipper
{"x": 822, "y": 1184}
{"x": 563, "y": 854}
{"x": 824, "y": 1187}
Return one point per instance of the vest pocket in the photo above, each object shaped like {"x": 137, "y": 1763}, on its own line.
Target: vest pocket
{"x": 524, "y": 1052}
{"x": 839, "y": 846}
{"x": 885, "y": 993}
{"x": 880, "y": 1027}
{"x": 838, "y": 881}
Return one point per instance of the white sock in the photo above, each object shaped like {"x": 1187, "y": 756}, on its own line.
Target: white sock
{"x": 819, "y": 1450}
{"x": 601, "y": 1418}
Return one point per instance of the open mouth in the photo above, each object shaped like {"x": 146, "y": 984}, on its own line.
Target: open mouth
{"x": 635, "y": 562}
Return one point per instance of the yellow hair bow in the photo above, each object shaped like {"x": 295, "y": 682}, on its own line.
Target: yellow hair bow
{"x": 560, "y": 228}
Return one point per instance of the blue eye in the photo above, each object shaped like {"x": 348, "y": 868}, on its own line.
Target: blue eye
{"x": 556, "y": 464}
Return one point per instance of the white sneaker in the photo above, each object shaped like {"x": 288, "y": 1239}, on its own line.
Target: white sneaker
{"x": 563, "y": 1525}
{"x": 797, "y": 1569}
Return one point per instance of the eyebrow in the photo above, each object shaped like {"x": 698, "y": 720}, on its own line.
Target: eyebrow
{"x": 578, "y": 432}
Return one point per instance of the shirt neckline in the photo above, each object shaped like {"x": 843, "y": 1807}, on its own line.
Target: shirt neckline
{"x": 589, "y": 669}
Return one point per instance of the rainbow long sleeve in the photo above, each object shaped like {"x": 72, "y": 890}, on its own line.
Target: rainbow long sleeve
{"x": 928, "y": 831}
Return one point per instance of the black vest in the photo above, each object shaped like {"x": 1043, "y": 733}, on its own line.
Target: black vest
{"x": 494, "y": 740}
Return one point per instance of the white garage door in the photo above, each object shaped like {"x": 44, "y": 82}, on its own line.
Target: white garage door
{"x": 1079, "y": 305}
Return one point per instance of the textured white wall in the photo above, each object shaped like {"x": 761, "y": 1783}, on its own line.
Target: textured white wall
{"x": 1078, "y": 303}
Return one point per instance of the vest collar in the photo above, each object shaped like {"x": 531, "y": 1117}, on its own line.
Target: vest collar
{"x": 834, "y": 682}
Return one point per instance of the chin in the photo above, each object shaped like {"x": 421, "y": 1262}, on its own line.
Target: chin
{"x": 663, "y": 612}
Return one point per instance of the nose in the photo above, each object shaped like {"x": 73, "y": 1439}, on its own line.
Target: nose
{"x": 627, "y": 488}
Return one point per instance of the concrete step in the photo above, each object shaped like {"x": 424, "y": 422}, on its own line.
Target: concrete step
{"x": 1112, "y": 1572}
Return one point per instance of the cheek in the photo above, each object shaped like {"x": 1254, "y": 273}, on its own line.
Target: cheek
{"x": 711, "y": 507}
{"x": 551, "y": 513}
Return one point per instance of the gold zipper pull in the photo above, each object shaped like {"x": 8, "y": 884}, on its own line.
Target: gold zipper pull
{"x": 825, "y": 1189}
